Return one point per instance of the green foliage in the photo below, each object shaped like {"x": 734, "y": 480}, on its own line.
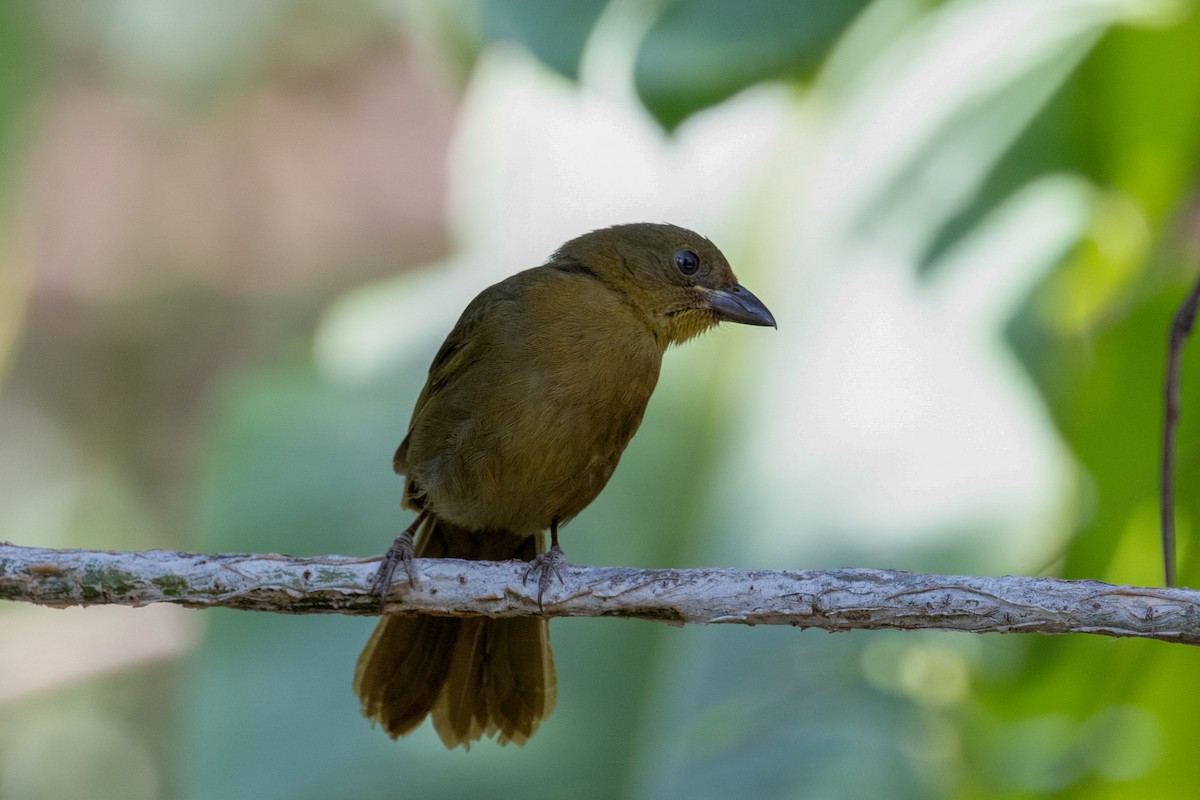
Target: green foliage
{"x": 700, "y": 52}
{"x": 553, "y": 31}
{"x": 695, "y": 54}
{"x": 19, "y": 64}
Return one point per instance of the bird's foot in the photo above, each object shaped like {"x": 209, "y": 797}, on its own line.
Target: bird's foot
{"x": 401, "y": 552}
{"x": 547, "y": 565}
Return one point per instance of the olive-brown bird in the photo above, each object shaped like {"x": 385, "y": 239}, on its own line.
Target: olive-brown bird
{"x": 528, "y": 406}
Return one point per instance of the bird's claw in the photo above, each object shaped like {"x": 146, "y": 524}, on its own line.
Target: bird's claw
{"x": 548, "y": 565}
{"x": 401, "y": 552}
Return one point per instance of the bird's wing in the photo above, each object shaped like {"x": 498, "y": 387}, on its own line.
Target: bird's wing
{"x": 459, "y": 350}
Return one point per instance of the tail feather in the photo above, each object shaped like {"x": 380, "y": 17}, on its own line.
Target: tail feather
{"x": 476, "y": 677}
{"x": 398, "y": 682}
{"x": 522, "y": 694}
{"x": 461, "y": 713}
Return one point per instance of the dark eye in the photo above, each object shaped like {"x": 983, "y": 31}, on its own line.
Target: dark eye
{"x": 687, "y": 261}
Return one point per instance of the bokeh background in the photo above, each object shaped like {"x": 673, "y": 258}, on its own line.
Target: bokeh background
{"x": 234, "y": 233}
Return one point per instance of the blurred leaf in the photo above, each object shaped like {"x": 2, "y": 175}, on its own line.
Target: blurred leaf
{"x": 297, "y": 465}
{"x": 1105, "y": 315}
{"x": 1094, "y": 338}
{"x": 1133, "y": 124}
{"x": 20, "y": 58}
{"x": 1106, "y": 398}
{"x": 19, "y": 64}
{"x": 554, "y": 31}
{"x": 1137, "y": 111}
{"x": 700, "y": 52}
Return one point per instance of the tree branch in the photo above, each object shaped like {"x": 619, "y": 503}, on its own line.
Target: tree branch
{"x": 835, "y": 600}
{"x": 1181, "y": 327}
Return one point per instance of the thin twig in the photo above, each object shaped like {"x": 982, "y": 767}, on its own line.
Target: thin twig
{"x": 835, "y": 600}
{"x": 1181, "y": 326}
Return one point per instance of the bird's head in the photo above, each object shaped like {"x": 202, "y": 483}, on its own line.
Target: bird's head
{"x": 676, "y": 278}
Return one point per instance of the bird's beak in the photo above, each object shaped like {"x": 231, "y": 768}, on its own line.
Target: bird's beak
{"x": 738, "y": 304}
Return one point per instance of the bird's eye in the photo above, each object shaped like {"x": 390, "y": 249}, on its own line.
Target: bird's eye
{"x": 687, "y": 261}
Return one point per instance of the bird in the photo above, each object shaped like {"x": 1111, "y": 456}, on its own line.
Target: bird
{"x": 528, "y": 406}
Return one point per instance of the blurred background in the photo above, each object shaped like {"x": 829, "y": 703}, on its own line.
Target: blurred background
{"x": 233, "y": 235}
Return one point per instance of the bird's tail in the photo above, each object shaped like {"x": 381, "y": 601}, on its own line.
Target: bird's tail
{"x": 476, "y": 676}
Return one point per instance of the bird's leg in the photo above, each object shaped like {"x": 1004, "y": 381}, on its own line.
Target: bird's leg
{"x": 401, "y": 552}
{"x": 548, "y": 565}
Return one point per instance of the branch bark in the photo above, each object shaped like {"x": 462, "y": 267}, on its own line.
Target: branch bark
{"x": 835, "y": 600}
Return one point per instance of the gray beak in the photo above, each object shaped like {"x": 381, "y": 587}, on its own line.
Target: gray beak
{"x": 738, "y": 304}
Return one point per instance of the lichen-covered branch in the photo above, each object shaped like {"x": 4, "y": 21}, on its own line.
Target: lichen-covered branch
{"x": 834, "y": 600}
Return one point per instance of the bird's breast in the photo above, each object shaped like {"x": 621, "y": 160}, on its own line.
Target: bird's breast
{"x": 533, "y": 434}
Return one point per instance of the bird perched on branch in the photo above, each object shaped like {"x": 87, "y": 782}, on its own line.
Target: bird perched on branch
{"x": 528, "y": 406}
